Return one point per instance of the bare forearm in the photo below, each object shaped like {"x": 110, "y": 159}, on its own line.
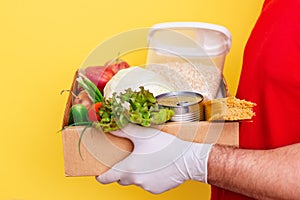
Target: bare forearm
{"x": 261, "y": 174}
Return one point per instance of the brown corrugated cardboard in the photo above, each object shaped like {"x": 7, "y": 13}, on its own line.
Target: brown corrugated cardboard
{"x": 101, "y": 150}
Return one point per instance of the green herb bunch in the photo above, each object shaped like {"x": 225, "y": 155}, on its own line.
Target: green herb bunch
{"x": 138, "y": 107}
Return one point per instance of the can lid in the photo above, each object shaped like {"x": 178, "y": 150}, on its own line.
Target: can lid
{"x": 185, "y": 104}
{"x": 179, "y": 99}
{"x": 190, "y": 38}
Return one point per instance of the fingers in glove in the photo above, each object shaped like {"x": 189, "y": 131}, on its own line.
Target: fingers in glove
{"x": 125, "y": 182}
{"x": 109, "y": 177}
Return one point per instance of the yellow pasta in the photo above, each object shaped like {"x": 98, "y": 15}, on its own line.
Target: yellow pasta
{"x": 228, "y": 109}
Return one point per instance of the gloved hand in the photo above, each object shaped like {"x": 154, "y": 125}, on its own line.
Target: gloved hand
{"x": 159, "y": 161}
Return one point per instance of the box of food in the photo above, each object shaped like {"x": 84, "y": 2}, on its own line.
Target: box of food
{"x": 184, "y": 58}
{"x": 94, "y": 152}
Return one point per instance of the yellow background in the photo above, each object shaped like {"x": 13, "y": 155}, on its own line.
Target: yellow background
{"x": 42, "y": 43}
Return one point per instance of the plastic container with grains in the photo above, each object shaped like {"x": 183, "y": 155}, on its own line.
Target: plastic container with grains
{"x": 189, "y": 55}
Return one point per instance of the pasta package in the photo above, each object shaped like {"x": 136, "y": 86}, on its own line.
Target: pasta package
{"x": 228, "y": 109}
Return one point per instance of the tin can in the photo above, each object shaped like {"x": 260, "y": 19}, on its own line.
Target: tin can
{"x": 186, "y": 105}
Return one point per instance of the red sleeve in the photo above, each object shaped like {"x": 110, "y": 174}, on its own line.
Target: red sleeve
{"x": 271, "y": 78}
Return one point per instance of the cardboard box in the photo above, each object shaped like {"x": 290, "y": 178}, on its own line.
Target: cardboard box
{"x": 99, "y": 151}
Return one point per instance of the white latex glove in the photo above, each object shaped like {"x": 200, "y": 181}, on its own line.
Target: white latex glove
{"x": 159, "y": 161}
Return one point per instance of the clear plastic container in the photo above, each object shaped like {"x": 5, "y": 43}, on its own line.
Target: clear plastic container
{"x": 190, "y": 55}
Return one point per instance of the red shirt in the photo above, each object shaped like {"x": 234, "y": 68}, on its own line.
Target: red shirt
{"x": 271, "y": 78}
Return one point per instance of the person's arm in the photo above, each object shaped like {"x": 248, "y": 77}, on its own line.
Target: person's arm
{"x": 260, "y": 174}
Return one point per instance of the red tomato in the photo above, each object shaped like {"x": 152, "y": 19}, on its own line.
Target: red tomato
{"x": 123, "y": 65}
{"x": 100, "y": 75}
{"x": 116, "y": 66}
{"x": 97, "y": 105}
{"x": 93, "y": 112}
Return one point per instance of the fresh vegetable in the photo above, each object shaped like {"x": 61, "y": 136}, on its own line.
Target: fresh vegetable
{"x": 116, "y": 65}
{"x": 93, "y": 112}
{"x": 83, "y": 98}
{"x": 93, "y": 92}
{"x": 100, "y": 75}
{"x": 138, "y": 107}
{"x": 78, "y": 114}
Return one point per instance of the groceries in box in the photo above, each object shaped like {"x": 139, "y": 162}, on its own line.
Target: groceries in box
{"x": 180, "y": 91}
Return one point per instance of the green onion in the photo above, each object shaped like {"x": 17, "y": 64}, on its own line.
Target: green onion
{"x": 92, "y": 87}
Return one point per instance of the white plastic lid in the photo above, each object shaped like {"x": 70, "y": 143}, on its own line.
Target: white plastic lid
{"x": 190, "y": 39}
